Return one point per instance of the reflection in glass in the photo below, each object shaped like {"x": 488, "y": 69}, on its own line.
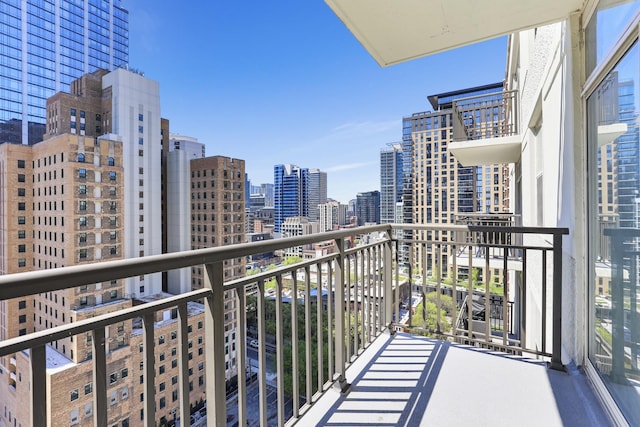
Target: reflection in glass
{"x": 614, "y": 188}
{"x": 603, "y": 29}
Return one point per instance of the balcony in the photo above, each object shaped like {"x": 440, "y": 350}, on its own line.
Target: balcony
{"x": 485, "y": 129}
{"x": 430, "y": 342}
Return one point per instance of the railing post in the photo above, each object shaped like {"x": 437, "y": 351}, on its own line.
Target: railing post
{"x": 556, "y": 355}
{"x": 38, "y": 360}
{"x": 341, "y": 381}
{"x": 149, "y": 371}
{"x": 183, "y": 363}
{"x": 214, "y": 346}
{"x": 388, "y": 287}
{"x": 99, "y": 378}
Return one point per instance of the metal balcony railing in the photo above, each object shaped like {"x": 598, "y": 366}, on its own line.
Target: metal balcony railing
{"x": 318, "y": 315}
{"x": 486, "y": 116}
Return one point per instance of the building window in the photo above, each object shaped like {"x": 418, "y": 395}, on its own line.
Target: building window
{"x": 21, "y": 192}
{"x": 82, "y": 189}
{"x": 111, "y": 161}
{"x": 21, "y": 164}
{"x": 21, "y": 206}
{"x": 82, "y": 114}
{"x": 22, "y": 248}
{"x": 22, "y": 318}
{"x": 83, "y": 205}
{"x": 83, "y": 221}
{"x": 83, "y": 254}
{"x": 112, "y": 206}
{"x": 113, "y": 250}
{"x": 73, "y": 395}
{"x": 21, "y": 220}
{"x": 21, "y": 177}
{"x": 22, "y": 262}
{"x": 113, "y": 377}
{"x": 112, "y": 176}
{"x": 83, "y": 237}
{"x": 82, "y": 173}
{"x": 80, "y": 157}
{"x": 88, "y": 388}
{"x": 140, "y": 117}
{"x": 140, "y": 129}
{"x": 73, "y": 112}
{"x": 112, "y": 235}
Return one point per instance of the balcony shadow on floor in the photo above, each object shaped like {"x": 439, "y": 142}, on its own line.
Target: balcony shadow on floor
{"x": 394, "y": 388}
{"x": 409, "y": 380}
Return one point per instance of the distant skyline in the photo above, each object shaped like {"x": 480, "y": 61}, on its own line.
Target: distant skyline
{"x": 286, "y": 82}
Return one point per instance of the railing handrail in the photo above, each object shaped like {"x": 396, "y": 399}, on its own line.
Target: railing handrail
{"x": 34, "y": 282}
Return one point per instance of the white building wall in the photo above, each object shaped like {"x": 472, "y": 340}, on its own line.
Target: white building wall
{"x": 178, "y": 216}
{"x": 194, "y": 149}
{"x": 540, "y": 65}
{"x": 132, "y": 95}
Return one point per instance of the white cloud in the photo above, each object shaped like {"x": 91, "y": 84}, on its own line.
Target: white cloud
{"x": 348, "y": 166}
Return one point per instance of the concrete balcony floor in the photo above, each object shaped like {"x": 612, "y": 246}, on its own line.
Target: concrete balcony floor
{"x": 408, "y": 380}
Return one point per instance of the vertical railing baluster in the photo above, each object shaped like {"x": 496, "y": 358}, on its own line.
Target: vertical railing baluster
{"x": 423, "y": 288}
{"x": 214, "y": 345}
{"x": 38, "y": 361}
{"x": 487, "y": 294}
{"x": 262, "y": 353}
{"x": 348, "y": 306}
{"x": 319, "y": 334}
{"x": 356, "y": 306}
{"x": 556, "y": 355}
{"x": 307, "y": 339}
{"x": 439, "y": 267}
{"x": 370, "y": 317}
{"x": 523, "y": 316}
{"x": 295, "y": 358}
{"x": 149, "y": 370}
{"x": 396, "y": 302}
{"x": 505, "y": 298}
{"x": 410, "y": 268}
{"x": 362, "y": 300}
{"x": 454, "y": 290}
{"x": 340, "y": 342}
{"x": 330, "y": 318}
{"x": 183, "y": 363}
{"x": 376, "y": 286}
{"x": 470, "y": 295}
{"x": 241, "y": 338}
{"x": 99, "y": 378}
{"x": 544, "y": 300}
{"x": 280, "y": 349}
{"x": 387, "y": 295}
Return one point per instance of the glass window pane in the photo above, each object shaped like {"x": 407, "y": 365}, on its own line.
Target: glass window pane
{"x": 614, "y": 211}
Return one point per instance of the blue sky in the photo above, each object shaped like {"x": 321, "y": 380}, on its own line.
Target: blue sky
{"x": 286, "y": 82}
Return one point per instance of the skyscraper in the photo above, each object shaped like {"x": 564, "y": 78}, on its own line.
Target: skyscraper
{"x": 368, "y": 207}
{"x": 317, "y": 192}
{"x": 436, "y": 186}
{"x": 45, "y": 46}
{"x": 290, "y": 193}
{"x": 390, "y": 182}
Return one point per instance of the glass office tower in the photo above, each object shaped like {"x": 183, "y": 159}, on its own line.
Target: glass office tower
{"x": 44, "y": 46}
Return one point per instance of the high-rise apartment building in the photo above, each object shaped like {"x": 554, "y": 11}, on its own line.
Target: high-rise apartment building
{"x": 290, "y": 193}
{"x": 126, "y": 104}
{"x": 368, "y": 207}
{"x": 390, "y": 182}
{"x": 437, "y": 188}
{"x": 267, "y": 191}
{"x": 331, "y": 214}
{"x": 317, "y": 192}
{"x": 46, "y": 46}
{"x": 297, "y": 226}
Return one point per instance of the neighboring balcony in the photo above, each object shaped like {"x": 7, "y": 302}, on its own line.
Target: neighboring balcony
{"x": 485, "y": 129}
{"x": 352, "y": 337}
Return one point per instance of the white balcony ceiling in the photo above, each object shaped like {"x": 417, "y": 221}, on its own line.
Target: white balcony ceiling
{"x": 394, "y": 31}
